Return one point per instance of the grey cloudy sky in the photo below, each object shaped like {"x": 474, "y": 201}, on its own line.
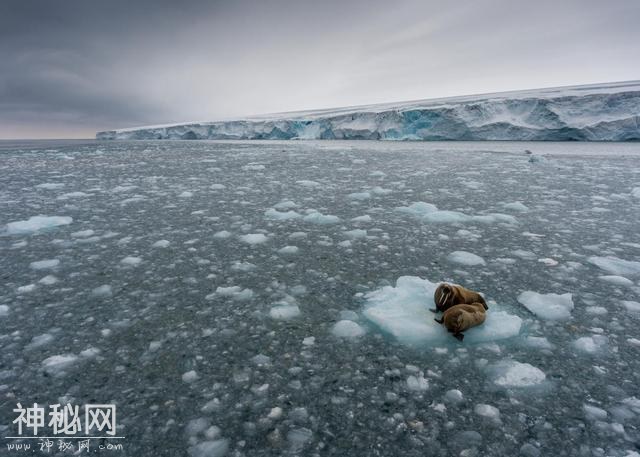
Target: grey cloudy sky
{"x": 69, "y": 68}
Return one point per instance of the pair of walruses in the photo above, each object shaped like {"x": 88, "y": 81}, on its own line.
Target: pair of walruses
{"x": 462, "y": 308}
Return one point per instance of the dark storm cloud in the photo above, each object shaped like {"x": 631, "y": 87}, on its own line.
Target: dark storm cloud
{"x": 68, "y": 68}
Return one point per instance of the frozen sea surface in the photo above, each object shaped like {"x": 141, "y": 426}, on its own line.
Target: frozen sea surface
{"x": 270, "y": 298}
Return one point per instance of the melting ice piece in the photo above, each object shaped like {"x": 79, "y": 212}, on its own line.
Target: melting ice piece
{"x": 37, "y": 223}
{"x": 347, "y": 329}
{"x": 616, "y": 266}
{"x": 428, "y": 212}
{"x": 547, "y": 306}
{"x": 281, "y": 215}
{"x": 465, "y": 258}
{"x": 509, "y": 373}
{"x": 253, "y": 238}
{"x": 403, "y": 312}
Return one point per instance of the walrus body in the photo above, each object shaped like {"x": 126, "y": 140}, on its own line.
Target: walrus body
{"x": 459, "y": 318}
{"x": 448, "y": 295}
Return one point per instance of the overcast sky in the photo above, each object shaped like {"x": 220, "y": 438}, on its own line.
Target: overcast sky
{"x": 71, "y": 67}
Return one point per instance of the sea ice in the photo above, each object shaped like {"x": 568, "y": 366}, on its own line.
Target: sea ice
{"x": 632, "y": 306}
{"x": 347, "y": 329}
{"x": 131, "y": 261}
{"x": 253, "y": 238}
{"x": 233, "y": 292}
{"x": 510, "y": 373}
{"x": 161, "y": 244}
{"x": 465, "y": 258}
{"x": 276, "y": 215}
{"x": 288, "y": 250}
{"x": 44, "y": 264}
{"x": 591, "y": 344}
{"x": 616, "y": 266}
{"x": 316, "y": 217}
{"x": 403, "y": 312}
{"x": 4, "y": 310}
{"x": 57, "y": 364}
{"x": 284, "y": 311}
{"x": 616, "y": 280}
{"x": 37, "y": 223}
{"x": 547, "y": 306}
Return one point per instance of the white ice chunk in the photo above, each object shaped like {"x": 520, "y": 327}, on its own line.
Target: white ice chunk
{"x": 308, "y": 183}
{"x": 222, "y": 234}
{"x": 102, "y": 291}
{"x": 50, "y": 185}
{"x": 48, "y": 280}
{"x": 355, "y": 234}
{"x": 57, "y": 364}
{"x": 347, "y": 329}
{"x": 547, "y": 306}
{"x": 36, "y": 223}
{"x": 276, "y": 215}
{"x": 288, "y": 250}
{"x": 510, "y": 373}
{"x": 591, "y": 344}
{"x": 516, "y": 206}
{"x": 365, "y": 218}
{"x": 234, "y": 292}
{"x": 359, "y": 196}
{"x": 131, "y": 261}
{"x": 161, "y": 244}
{"x": 616, "y": 280}
{"x": 616, "y": 266}
{"x": 403, "y": 312}
{"x": 594, "y": 413}
{"x": 316, "y": 217}
{"x": 465, "y": 258}
{"x": 284, "y": 312}
{"x": 253, "y": 238}
{"x": 453, "y": 396}
{"x": 4, "y": 310}
{"x": 83, "y": 234}
{"x": 632, "y": 306}
{"x": 44, "y": 264}
{"x": 190, "y": 376}
{"x": 216, "y": 448}
{"x": 488, "y": 411}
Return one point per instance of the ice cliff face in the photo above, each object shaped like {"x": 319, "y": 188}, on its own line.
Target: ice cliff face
{"x": 605, "y": 112}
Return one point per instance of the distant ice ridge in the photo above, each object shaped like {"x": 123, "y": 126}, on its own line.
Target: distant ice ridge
{"x": 601, "y": 112}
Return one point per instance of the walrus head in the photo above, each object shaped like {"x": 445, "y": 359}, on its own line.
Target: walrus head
{"x": 445, "y": 297}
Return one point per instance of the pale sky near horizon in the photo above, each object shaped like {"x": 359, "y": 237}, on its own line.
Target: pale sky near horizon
{"x": 71, "y": 68}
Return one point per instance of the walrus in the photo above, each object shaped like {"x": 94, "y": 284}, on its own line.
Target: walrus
{"x": 448, "y": 295}
{"x": 459, "y": 318}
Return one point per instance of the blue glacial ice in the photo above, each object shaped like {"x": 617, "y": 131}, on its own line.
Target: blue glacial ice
{"x": 604, "y": 112}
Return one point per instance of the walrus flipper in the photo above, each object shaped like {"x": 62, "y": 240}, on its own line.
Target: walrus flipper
{"x": 434, "y": 310}
{"x": 459, "y": 336}
{"x": 439, "y": 321}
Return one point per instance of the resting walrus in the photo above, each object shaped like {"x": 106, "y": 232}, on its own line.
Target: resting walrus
{"x": 459, "y": 318}
{"x": 448, "y": 295}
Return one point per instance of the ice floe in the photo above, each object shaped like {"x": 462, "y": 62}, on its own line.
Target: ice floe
{"x": 616, "y": 266}
{"x": 510, "y": 373}
{"x": 465, "y": 258}
{"x": 547, "y": 306}
{"x": 403, "y": 312}
{"x": 254, "y": 238}
{"x": 37, "y": 223}
{"x": 347, "y": 329}
{"x": 427, "y": 212}
{"x": 44, "y": 264}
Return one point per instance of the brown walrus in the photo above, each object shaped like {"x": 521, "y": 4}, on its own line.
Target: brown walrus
{"x": 459, "y": 318}
{"x": 448, "y": 295}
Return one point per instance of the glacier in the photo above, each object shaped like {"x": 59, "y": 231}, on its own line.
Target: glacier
{"x": 598, "y": 112}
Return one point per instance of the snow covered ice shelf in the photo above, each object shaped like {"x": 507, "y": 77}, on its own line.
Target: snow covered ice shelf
{"x": 271, "y": 298}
